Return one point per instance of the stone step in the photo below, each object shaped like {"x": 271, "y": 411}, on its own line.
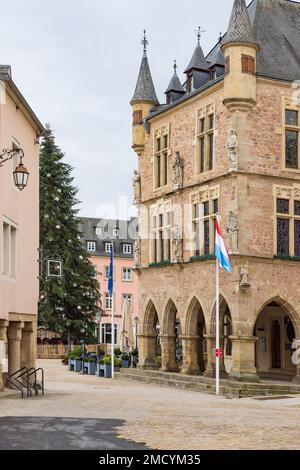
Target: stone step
{"x": 204, "y": 384}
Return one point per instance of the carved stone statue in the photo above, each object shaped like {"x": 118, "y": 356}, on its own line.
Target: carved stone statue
{"x": 232, "y": 147}
{"x": 136, "y": 187}
{"x": 137, "y": 252}
{"x": 178, "y": 172}
{"x": 177, "y": 246}
{"x": 244, "y": 279}
{"x": 232, "y": 230}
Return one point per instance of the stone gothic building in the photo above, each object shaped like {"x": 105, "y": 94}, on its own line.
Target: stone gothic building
{"x": 226, "y": 141}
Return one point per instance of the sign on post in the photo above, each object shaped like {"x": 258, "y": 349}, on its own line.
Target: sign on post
{"x": 219, "y": 353}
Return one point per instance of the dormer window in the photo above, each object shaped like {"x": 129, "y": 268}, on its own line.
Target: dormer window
{"x": 91, "y": 246}
{"x": 189, "y": 82}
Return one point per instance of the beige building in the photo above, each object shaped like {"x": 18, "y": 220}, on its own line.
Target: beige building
{"x": 19, "y": 231}
{"x": 226, "y": 142}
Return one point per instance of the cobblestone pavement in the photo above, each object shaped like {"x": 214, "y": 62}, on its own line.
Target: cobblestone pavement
{"x": 162, "y": 418}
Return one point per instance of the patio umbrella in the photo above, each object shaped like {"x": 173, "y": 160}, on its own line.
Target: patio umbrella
{"x": 127, "y": 337}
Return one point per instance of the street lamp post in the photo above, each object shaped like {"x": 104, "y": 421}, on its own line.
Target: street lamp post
{"x": 20, "y": 174}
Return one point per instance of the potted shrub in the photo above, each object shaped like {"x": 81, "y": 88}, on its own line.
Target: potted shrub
{"x": 89, "y": 366}
{"x": 101, "y": 353}
{"x": 125, "y": 361}
{"x": 118, "y": 352}
{"x": 104, "y": 366}
{"x": 75, "y": 362}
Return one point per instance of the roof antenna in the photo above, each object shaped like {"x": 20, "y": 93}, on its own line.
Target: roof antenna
{"x": 145, "y": 43}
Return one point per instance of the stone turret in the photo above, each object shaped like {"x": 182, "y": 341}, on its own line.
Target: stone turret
{"x": 143, "y": 100}
{"x": 240, "y": 50}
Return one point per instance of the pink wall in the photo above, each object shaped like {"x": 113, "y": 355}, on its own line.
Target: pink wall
{"x": 120, "y": 287}
{"x": 20, "y": 294}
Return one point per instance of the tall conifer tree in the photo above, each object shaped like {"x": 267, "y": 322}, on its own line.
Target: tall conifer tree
{"x": 68, "y": 305}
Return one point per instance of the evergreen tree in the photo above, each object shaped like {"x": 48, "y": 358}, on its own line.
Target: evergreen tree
{"x": 68, "y": 305}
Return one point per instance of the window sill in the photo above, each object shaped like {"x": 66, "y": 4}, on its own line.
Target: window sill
{"x": 160, "y": 265}
{"x": 194, "y": 259}
{"x": 287, "y": 258}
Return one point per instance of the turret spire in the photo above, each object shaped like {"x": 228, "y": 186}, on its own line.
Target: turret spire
{"x": 240, "y": 28}
{"x": 144, "y": 90}
{"x": 198, "y": 59}
{"x": 175, "y": 84}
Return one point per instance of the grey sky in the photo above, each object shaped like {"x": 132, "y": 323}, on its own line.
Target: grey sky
{"x": 77, "y": 62}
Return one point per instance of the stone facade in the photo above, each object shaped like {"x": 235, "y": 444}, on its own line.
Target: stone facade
{"x": 260, "y": 318}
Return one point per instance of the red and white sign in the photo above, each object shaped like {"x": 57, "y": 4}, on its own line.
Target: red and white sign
{"x": 219, "y": 353}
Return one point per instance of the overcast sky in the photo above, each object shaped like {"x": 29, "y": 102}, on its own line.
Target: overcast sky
{"x": 76, "y": 62}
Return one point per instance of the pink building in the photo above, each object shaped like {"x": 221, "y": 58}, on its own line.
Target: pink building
{"x": 98, "y": 237}
{"x": 19, "y": 230}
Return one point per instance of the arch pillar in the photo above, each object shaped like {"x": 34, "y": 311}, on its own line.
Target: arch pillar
{"x": 190, "y": 365}
{"x": 243, "y": 359}
{"x": 3, "y": 332}
{"x": 168, "y": 353}
{"x": 28, "y": 345}
{"x": 211, "y": 357}
{"x": 14, "y": 346}
{"x": 147, "y": 351}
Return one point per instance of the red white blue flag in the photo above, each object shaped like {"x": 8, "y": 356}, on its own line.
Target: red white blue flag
{"x": 221, "y": 252}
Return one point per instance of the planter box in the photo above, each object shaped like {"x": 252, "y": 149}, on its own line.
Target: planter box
{"x": 125, "y": 364}
{"x": 89, "y": 368}
{"x": 104, "y": 370}
{"x": 75, "y": 365}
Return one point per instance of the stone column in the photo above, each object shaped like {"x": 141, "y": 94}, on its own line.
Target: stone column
{"x": 28, "y": 345}
{"x": 147, "y": 351}
{"x": 168, "y": 353}
{"x": 190, "y": 364}
{"x": 14, "y": 346}
{"x": 296, "y": 361}
{"x": 3, "y": 328}
{"x": 211, "y": 357}
{"x": 243, "y": 359}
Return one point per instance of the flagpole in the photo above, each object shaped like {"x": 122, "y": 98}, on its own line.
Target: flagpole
{"x": 112, "y": 337}
{"x": 217, "y": 327}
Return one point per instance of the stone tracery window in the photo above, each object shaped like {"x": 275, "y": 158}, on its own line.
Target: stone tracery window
{"x": 205, "y": 206}
{"x": 292, "y": 132}
{"x": 288, "y": 221}
{"x": 205, "y": 138}
{"x": 161, "y": 233}
{"x": 161, "y": 157}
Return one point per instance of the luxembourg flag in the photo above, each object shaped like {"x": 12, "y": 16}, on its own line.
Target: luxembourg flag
{"x": 221, "y": 252}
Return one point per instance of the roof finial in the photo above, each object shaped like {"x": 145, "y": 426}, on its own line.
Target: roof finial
{"x": 145, "y": 43}
{"x": 199, "y": 32}
{"x": 220, "y": 37}
{"x": 175, "y": 66}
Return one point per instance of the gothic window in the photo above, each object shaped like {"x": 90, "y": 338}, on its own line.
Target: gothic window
{"x": 248, "y": 64}
{"x": 205, "y": 139}
{"x": 161, "y": 237}
{"x": 292, "y": 139}
{"x": 203, "y": 226}
{"x": 288, "y": 226}
{"x": 161, "y": 160}
{"x": 283, "y": 243}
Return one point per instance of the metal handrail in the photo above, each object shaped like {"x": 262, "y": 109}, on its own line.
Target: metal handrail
{"x": 13, "y": 379}
{"x": 16, "y": 383}
{"x": 43, "y": 379}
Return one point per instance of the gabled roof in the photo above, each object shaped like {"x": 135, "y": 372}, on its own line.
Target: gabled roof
{"x": 144, "y": 90}
{"x": 5, "y": 75}
{"x": 240, "y": 28}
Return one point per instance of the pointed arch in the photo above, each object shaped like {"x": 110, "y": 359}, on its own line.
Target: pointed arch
{"x": 192, "y": 316}
{"x": 150, "y": 319}
{"x": 295, "y": 317}
{"x": 169, "y": 318}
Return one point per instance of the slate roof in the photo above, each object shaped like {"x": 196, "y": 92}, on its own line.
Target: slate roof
{"x": 175, "y": 84}
{"x": 198, "y": 60}
{"x": 276, "y": 29}
{"x": 127, "y": 232}
{"x": 144, "y": 90}
{"x": 240, "y": 28}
